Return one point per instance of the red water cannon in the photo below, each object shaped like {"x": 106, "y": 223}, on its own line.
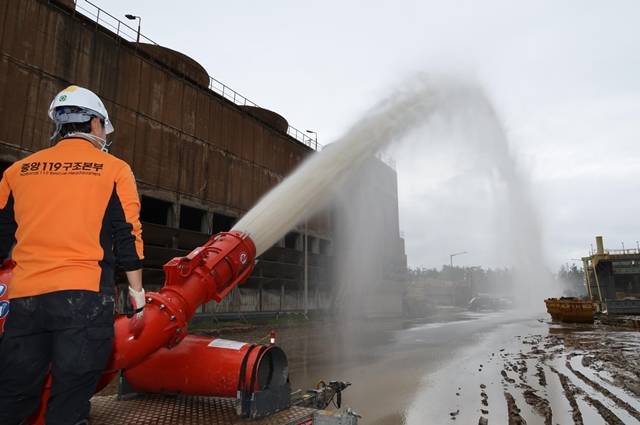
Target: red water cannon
{"x": 207, "y": 273}
{"x": 155, "y": 354}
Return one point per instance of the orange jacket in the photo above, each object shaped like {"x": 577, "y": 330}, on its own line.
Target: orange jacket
{"x": 73, "y": 213}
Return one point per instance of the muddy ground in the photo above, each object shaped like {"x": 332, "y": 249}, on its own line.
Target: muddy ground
{"x": 573, "y": 374}
{"x": 548, "y": 374}
{"x": 599, "y": 366}
{"x": 460, "y": 367}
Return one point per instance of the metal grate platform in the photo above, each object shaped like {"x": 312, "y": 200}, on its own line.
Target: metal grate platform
{"x": 183, "y": 410}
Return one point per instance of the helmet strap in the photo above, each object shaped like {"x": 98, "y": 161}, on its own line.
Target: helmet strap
{"x": 103, "y": 144}
{"x": 56, "y": 131}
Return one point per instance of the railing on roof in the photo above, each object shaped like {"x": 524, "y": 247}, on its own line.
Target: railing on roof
{"x": 633, "y": 251}
{"x": 127, "y": 32}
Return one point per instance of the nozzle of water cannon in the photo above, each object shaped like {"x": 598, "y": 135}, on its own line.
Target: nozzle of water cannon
{"x": 272, "y": 337}
{"x": 339, "y": 385}
{"x": 351, "y": 412}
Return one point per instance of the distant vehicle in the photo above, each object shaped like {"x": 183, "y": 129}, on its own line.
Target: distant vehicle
{"x": 488, "y": 302}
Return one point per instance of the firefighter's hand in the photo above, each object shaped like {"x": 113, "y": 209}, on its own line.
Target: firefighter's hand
{"x": 137, "y": 299}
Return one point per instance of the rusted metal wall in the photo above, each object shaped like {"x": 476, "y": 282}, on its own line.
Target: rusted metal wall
{"x": 186, "y": 144}
{"x": 183, "y": 141}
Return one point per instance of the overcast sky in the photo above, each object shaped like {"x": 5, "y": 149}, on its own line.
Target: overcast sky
{"x": 563, "y": 75}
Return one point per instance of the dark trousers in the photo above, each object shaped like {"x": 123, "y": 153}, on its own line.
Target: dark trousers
{"x": 69, "y": 333}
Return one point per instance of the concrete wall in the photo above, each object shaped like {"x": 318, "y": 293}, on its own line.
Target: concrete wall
{"x": 371, "y": 262}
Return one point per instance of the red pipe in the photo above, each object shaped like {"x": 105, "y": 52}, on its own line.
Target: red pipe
{"x": 208, "y": 273}
{"x": 210, "y": 367}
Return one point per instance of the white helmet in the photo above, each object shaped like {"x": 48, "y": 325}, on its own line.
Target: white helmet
{"x": 77, "y": 105}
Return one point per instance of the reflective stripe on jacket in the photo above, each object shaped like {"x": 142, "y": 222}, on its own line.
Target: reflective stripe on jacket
{"x": 73, "y": 212}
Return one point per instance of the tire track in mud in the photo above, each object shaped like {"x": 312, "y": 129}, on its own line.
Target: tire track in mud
{"x": 609, "y": 417}
{"x": 542, "y": 378}
{"x": 602, "y": 390}
{"x": 539, "y": 404}
{"x": 513, "y": 411}
{"x": 518, "y": 364}
{"x": 569, "y": 392}
{"x": 532, "y": 394}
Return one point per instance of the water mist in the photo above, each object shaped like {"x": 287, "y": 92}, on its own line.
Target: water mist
{"x": 463, "y": 108}
{"x": 311, "y": 186}
{"x": 467, "y": 136}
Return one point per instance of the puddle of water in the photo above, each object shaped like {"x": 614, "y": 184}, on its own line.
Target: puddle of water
{"x": 436, "y": 325}
{"x": 464, "y": 375}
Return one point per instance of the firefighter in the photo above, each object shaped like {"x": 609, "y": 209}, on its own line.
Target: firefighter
{"x": 72, "y": 211}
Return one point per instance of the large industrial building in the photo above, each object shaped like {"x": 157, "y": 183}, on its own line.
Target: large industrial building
{"x": 612, "y": 278}
{"x": 202, "y": 154}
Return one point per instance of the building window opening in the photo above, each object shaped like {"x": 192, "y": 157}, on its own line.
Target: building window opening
{"x": 222, "y": 223}
{"x": 291, "y": 240}
{"x": 155, "y": 211}
{"x": 192, "y": 218}
{"x": 313, "y": 245}
{"x": 325, "y": 247}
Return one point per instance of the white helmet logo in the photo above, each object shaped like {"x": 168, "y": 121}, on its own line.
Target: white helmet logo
{"x": 83, "y": 99}
{"x": 243, "y": 258}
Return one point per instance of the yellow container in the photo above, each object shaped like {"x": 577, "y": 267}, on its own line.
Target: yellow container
{"x": 570, "y": 310}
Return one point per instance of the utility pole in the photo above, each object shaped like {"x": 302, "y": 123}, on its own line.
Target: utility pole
{"x": 306, "y": 268}
{"x": 453, "y": 255}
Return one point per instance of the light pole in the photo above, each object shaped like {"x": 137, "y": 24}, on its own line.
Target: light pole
{"x": 306, "y": 269}
{"x": 133, "y": 17}
{"x": 453, "y": 255}
{"x": 315, "y": 133}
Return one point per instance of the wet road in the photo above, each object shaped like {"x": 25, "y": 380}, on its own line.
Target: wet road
{"x": 390, "y": 361}
{"x": 461, "y": 367}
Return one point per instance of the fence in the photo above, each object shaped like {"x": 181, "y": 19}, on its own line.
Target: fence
{"x": 133, "y": 35}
